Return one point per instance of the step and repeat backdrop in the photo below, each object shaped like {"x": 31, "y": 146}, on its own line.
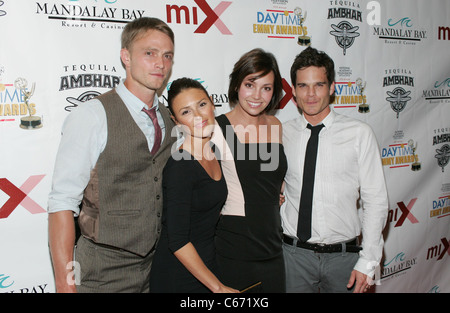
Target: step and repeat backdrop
{"x": 392, "y": 71}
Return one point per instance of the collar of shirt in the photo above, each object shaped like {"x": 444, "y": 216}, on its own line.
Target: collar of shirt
{"x": 133, "y": 102}
{"x": 327, "y": 121}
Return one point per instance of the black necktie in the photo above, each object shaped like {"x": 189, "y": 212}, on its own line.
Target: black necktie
{"x": 306, "y": 198}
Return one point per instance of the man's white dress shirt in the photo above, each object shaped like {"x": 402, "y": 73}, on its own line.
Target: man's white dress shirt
{"x": 349, "y": 172}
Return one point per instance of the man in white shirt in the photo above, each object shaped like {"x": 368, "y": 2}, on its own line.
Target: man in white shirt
{"x": 348, "y": 171}
{"x": 111, "y": 156}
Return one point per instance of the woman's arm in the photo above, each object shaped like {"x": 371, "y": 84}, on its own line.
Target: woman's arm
{"x": 189, "y": 257}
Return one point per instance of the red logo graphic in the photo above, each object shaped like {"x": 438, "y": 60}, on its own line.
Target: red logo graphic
{"x": 439, "y": 250}
{"x": 405, "y": 213}
{"x": 288, "y": 94}
{"x": 19, "y": 196}
{"x": 212, "y": 16}
{"x": 446, "y": 248}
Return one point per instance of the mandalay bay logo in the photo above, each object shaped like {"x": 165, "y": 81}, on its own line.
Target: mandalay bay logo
{"x": 75, "y": 14}
{"x": 400, "y": 31}
{"x": 397, "y": 265}
{"x": 440, "y": 93}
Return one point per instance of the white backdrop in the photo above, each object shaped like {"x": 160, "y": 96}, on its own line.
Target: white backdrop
{"x": 399, "y": 50}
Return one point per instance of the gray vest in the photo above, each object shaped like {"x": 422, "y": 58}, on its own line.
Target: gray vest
{"x": 122, "y": 202}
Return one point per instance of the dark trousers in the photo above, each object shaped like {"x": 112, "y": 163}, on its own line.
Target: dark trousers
{"x": 309, "y": 271}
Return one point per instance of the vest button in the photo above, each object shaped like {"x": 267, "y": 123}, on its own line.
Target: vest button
{"x": 158, "y": 197}
{"x": 155, "y": 179}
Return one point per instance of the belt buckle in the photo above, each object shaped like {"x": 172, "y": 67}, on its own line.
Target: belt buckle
{"x": 319, "y": 247}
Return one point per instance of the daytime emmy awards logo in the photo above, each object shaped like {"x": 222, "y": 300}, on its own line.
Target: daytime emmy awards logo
{"x": 30, "y": 121}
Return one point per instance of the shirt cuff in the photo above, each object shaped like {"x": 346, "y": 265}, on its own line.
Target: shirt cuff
{"x": 366, "y": 267}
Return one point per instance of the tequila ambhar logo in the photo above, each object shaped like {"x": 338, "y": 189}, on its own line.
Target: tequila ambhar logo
{"x": 398, "y": 97}
{"x": 80, "y": 76}
{"x": 344, "y": 31}
{"x": 443, "y": 156}
{"x": 442, "y": 137}
{"x": 345, "y": 34}
{"x": 85, "y": 96}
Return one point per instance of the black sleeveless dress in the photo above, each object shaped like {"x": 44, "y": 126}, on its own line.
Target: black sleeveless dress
{"x": 249, "y": 232}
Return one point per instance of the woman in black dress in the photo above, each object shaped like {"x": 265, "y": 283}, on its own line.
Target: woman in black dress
{"x": 194, "y": 191}
{"x": 249, "y": 233}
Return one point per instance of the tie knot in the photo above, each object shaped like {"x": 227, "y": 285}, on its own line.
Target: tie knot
{"x": 151, "y": 112}
{"x": 315, "y": 129}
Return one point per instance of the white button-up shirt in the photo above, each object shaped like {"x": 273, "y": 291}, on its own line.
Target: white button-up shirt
{"x": 349, "y": 174}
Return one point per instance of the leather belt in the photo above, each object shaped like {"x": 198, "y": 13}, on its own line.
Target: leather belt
{"x": 350, "y": 246}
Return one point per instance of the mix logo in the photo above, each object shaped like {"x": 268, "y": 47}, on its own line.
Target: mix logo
{"x": 439, "y": 250}
{"x": 443, "y": 33}
{"x": 405, "y": 213}
{"x": 19, "y": 196}
{"x": 212, "y": 16}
